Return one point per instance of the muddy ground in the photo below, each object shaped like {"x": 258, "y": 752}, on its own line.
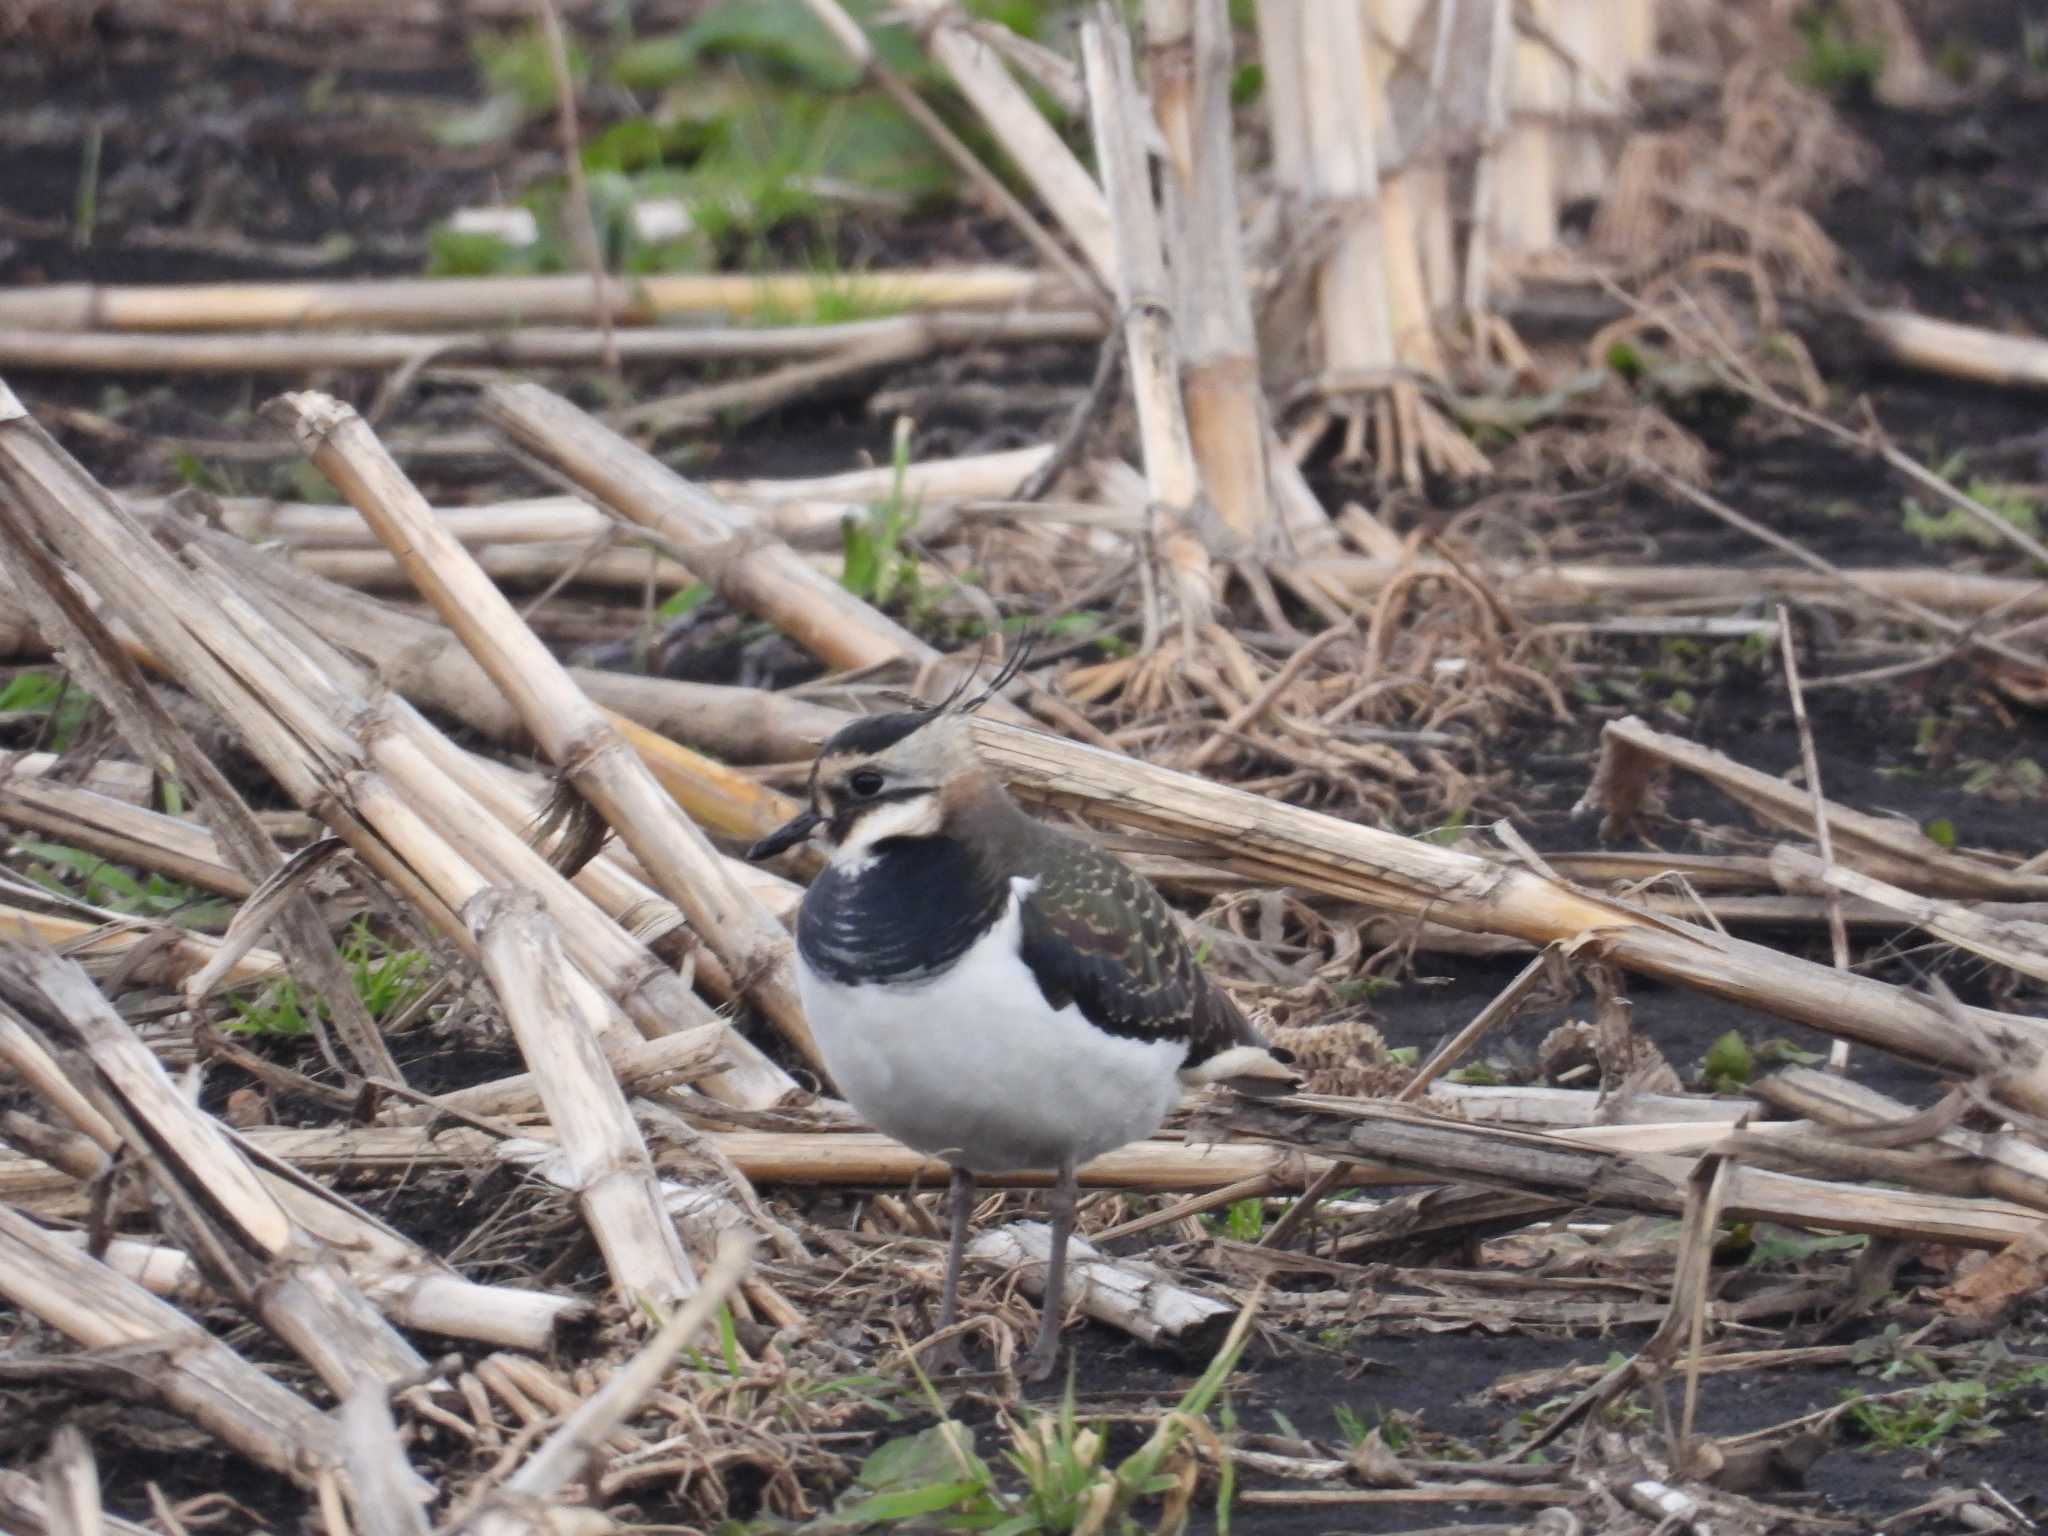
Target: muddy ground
{"x": 1954, "y": 222}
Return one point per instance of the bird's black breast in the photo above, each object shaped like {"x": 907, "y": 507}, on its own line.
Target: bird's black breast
{"x": 915, "y": 907}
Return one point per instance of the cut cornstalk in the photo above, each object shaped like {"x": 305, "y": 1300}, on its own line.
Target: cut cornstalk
{"x": 557, "y": 1030}
{"x": 570, "y": 729}
{"x": 1144, "y": 303}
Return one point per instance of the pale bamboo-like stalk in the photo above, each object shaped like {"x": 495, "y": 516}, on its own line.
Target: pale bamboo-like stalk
{"x": 641, "y": 1066}
{"x": 759, "y": 575}
{"x": 410, "y": 1284}
{"x": 1133, "y": 1298}
{"x": 1528, "y": 186}
{"x": 1479, "y": 84}
{"x": 1288, "y": 844}
{"x": 1188, "y": 69}
{"x": 457, "y": 846}
{"x": 183, "y": 1366}
{"x": 124, "y": 833}
{"x": 838, "y": 1158}
{"x": 1650, "y": 1182}
{"x": 1632, "y": 753}
{"x": 116, "y": 351}
{"x": 173, "y": 955}
{"x": 566, "y": 1454}
{"x": 429, "y": 665}
{"x": 428, "y": 303}
{"x": 558, "y": 1034}
{"x": 1412, "y": 81}
{"x": 568, "y": 726}
{"x": 1038, "y": 152}
{"x": 1588, "y": 33}
{"x": 1536, "y": 583}
{"x": 2017, "y": 942}
{"x": 385, "y": 1492}
{"x": 301, "y": 1294}
{"x": 1143, "y": 302}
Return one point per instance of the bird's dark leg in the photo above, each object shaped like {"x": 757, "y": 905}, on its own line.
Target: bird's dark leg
{"x": 962, "y": 1203}
{"x": 1038, "y": 1364}
{"x": 947, "y": 1355}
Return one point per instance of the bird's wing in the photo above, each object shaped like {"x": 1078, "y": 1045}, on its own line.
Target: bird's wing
{"x": 1096, "y": 934}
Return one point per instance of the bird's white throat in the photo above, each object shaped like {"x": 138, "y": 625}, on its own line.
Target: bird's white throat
{"x": 915, "y": 816}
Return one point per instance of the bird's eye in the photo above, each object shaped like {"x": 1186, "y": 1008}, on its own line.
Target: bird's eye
{"x": 865, "y": 782}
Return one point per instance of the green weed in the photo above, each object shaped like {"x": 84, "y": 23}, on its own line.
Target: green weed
{"x": 81, "y": 873}
{"x": 1835, "y": 60}
{"x": 1952, "y": 525}
{"x": 877, "y": 569}
{"x": 1728, "y": 1065}
{"x": 52, "y": 698}
{"x": 385, "y": 978}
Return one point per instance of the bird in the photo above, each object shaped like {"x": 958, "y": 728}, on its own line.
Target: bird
{"x": 988, "y": 989}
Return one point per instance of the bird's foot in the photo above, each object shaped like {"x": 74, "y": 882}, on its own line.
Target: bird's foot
{"x": 943, "y": 1357}
{"x": 1038, "y": 1363}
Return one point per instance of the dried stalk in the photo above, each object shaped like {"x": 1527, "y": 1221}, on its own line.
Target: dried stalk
{"x": 1144, "y": 304}
{"x": 500, "y": 302}
{"x": 1526, "y": 1163}
{"x": 164, "y": 1354}
{"x": 236, "y": 351}
{"x": 257, "y": 1253}
{"x": 557, "y": 1031}
{"x": 1188, "y": 67}
{"x": 74, "y": 515}
{"x": 1037, "y": 151}
{"x": 764, "y": 1157}
{"x": 570, "y": 729}
{"x": 1528, "y": 200}
{"x": 853, "y": 42}
{"x": 1633, "y": 753}
{"x": 1133, "y": 1298}
{"x": 1269, "y": 841}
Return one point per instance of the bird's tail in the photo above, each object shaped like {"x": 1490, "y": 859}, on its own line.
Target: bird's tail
{"x": 1254, "y": 1070}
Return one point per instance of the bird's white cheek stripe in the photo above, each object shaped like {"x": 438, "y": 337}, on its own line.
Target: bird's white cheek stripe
{"x": 899, "y": 818}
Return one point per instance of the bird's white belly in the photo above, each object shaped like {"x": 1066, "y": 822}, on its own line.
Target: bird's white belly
{"x": 973, "y": 1066}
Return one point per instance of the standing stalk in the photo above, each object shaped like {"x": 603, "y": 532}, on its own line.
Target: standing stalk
{"x": 1171, "y": 477}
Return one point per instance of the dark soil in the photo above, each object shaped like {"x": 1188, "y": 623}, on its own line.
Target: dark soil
{"x": 1955, "y": 224}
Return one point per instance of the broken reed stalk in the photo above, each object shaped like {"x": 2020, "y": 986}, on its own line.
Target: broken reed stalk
{"x": 166, "y": 956}
{"x": 255, "y": 1251}
{"x": 410, "y": 1283}
{"x": 574, "y": 734}
{"x": 1809, "y": 757}
{"x": 1403, "y": 219}
{"x": 834, "y": 1158}
{"x": 164, "y": 1354}
{"x": 1144, "y": 305}
{"x": 124, "y": 833}
{"x": 847, "y": 33}
{"x": 57, "y": 506}
{"x": 429, "y": 664}
{"x": 1040, "y": 155}
{"x": 1188, "y": 69}
{"x": 505, "y": 302}
{"x": 1528, "y": 182}
{"x": 519, "y": 1508}
{"x": 1634, "y": 754}
{"x": 755, "y": 573}
{"x": 557, "y": 1030}
{"x": 1271, "y": 841}
{"x": 461, "y": 834}
{"x": 1134, "y": 1298}
{"x": 1391, "y": 1139}
{"x": 641, "y": 1067}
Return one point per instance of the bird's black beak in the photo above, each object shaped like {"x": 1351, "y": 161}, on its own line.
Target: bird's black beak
{"x": 784, "y": 837}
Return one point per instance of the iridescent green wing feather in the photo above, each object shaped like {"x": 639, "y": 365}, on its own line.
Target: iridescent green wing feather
{"x": 1095, "y": 934}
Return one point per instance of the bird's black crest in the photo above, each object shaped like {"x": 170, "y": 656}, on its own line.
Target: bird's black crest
{"x": 877, "y": 733}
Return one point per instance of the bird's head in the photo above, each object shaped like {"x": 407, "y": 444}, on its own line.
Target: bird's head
{"x": 882, "y": 777}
